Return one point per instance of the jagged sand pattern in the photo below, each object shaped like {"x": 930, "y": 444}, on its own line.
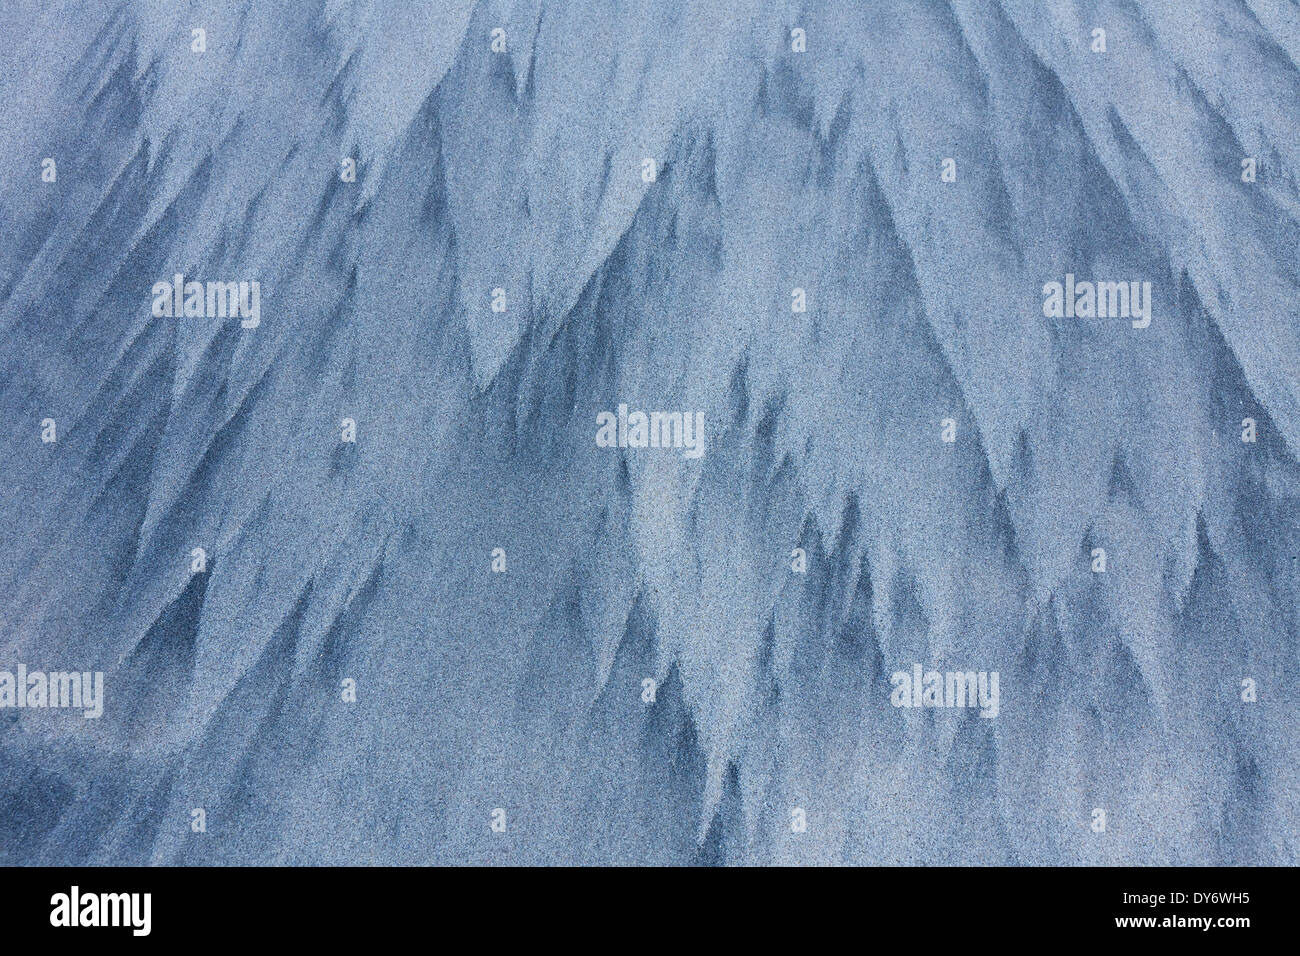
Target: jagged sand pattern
{"x": 522, "y": 171}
